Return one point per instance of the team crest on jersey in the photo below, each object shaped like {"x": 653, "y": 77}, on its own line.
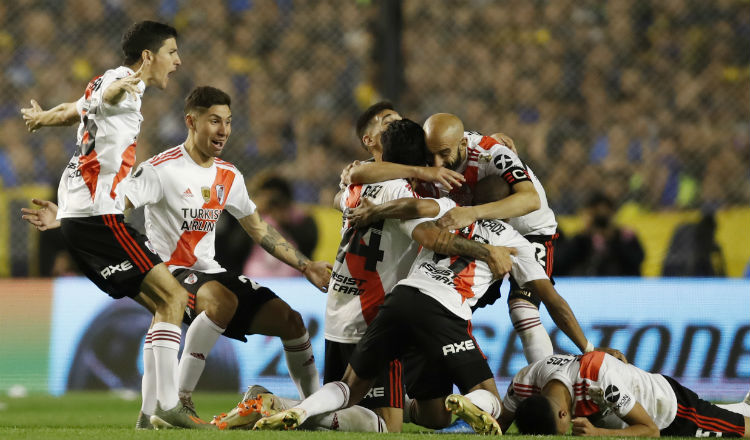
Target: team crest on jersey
{"x": 150, "y": 246}
{"x": 220, "y": 194}
{"x": 191, "y": 279}
{"x": 206, "y": 193}
{"x": 485, "y": 157}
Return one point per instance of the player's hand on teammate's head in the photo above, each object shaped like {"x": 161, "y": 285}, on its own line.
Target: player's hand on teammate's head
{"x": 457, "y": 218}
{"x": 31, "y": 116}
{"x": 446, "y": 177}
{"x": 363, "y": 215}
{"x": 318, "y": 273}
{"x": 499, "y": 260}
{"x": 42, "y": 218}
{"x": 505, "y": 140}
{"x": 616, "y": 353}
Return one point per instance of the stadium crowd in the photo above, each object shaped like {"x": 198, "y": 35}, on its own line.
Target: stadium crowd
{"x": 640, "y": 98}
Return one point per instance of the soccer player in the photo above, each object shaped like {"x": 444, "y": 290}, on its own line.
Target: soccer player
{"x": 362, "y": 273}
{"x": 185, "y": 189}
{"x": 109, "y": 252}
{"x": 475, "y": 157}
{"x": 427, "y": 317}
{"x": 605, "y": 397}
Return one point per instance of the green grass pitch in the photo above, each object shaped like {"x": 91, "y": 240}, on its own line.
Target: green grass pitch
{"x": 78, "y": 416}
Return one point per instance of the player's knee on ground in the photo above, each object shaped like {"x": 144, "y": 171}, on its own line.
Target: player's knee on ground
{"x": 431, "y": 413}
{"x": 218, "y": 302}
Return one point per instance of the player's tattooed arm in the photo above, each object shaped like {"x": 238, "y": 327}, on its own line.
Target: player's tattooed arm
{"x": 63, "y": 114}
{"x": 317, "y": 272}
{"x": 444, "y": 242}
{"x": 403, "y": 209}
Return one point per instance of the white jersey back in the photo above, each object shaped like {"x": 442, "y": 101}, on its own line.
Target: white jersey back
{"x": 105, "y": 152}
{"x": 485, "y": 156}
{"x": 598, "y": 383}
{"x": 183, "y": 203}
{"x": 369, "y": 262}
{"x": 458, "y": 282}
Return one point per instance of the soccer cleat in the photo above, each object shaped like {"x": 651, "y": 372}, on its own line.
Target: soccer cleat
{"x": 481, "y": 421}
{"x": 253, "y": 391}
{"x": 457, "y": 427}
{"x": 285, "y": 420}
{"x": 143, "y": 422}
{"x": 178, "y": 417}
{"x": 246, "y": 413}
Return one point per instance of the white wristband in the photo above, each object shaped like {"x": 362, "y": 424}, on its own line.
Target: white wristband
{"x": 589, "y": 347}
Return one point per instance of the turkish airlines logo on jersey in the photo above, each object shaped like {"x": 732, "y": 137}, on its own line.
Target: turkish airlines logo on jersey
{"x": 458, "y": 347}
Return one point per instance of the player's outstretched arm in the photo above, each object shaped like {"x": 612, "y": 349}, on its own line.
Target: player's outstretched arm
{"x": 560, "y": 312}
{"x": 641, "y": 425}
{"x": 63, "y": 114}
{"x": 317, "y": 272}
{"x": 116, "y": 92}
{"x": 403, "y": 209}
{"x": 441, "y": 241}
{"x": 372, "y": 172}
{"x": 524, "y": 200}
{"x": 42, "y": 218}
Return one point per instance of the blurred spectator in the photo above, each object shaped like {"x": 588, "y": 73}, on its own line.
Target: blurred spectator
{"x": 693, "y": 250}
{"x": 602, "y": 248}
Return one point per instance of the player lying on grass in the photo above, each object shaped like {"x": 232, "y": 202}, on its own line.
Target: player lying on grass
{"x": 185, "y": 189}
{"x": 604, "y": 397}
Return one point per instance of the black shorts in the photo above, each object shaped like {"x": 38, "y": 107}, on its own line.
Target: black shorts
{"x": 699, "y": 418}
{"x": 545, "y": 256}
{"x": 414, "y": 324}
{"x": 386, "y": 392}
{"x": 250, "y": 298}
{"x": 109, "y": 252}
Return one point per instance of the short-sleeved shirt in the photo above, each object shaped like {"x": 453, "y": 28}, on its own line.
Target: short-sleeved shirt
{"x": 458, "y": 282}
{"x": 183, "y": 203}
{"x": 485, "y": 156}
{"x": 599, "y": 383}
{"x": 105, "y": 152}
{"x": 369, "y": 261}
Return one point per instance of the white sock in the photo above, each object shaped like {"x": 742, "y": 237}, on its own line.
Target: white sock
{"x": 301, "y": 364}
{"x": 534, "y": 338}
{"x": 747, "y": 398}
{"x": 148, "y": 382}
{"x": 486, "y": 401}
{"x": 739, "y": 408}
{"x": 353, "y": 419}
{"x": 165, "y": 340}
{"x": 408, "y": 409}
{"x": 200, "y": 338}
{"x": 331, "y": 397}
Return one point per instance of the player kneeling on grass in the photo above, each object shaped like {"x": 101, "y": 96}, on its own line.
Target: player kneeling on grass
{"x": 185, "y": 189}
{"x": 603, "y": 396}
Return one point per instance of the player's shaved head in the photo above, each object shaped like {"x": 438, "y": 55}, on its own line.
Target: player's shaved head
{"x": 443, "y": 129}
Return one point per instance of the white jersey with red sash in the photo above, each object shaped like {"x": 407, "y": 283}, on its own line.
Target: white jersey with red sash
{"x": 105, "y": 154}
{"x": 458, "y": 282}
{"x": 369, "y": 262}
{"x": 599, "y": 383}
{"x": 486, "y": 156}
{"x": 183, "y": 203}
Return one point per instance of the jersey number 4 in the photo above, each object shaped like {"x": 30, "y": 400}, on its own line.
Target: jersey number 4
{"x": 353, "y": 242}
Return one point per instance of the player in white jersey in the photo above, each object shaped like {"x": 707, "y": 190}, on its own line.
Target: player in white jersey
{"x": 427, "y": 317}
{"x": 603, "y": 396}
{"x": 117, "y": 258}
{"x": 475, "y": 157}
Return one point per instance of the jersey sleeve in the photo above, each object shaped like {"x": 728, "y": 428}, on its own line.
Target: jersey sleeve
{"x": 506, "y": 164}
{"x": 128, "y": 102}
{"x": 79, "y": 104}
{"x": 612, "y": 394}
{"x": 144, "y": 187}
{"x": 238, "y": 200}
{"x": 512, "y": 397}
{"x": 445, "y": 204}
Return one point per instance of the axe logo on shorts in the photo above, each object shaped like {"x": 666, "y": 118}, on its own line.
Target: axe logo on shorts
{"x": 121, "y": 267}
{"x": 458, "y": 347}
